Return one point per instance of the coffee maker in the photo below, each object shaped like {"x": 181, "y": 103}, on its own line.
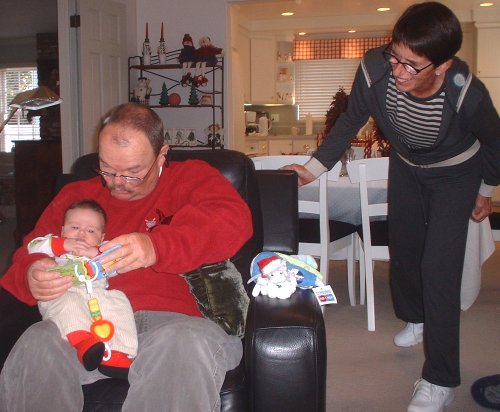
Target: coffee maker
{"x": 251, "y": 127}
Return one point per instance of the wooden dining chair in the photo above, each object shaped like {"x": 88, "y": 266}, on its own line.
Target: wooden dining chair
{"x": 373, "y": 239}
{"x": 319, "y": 236}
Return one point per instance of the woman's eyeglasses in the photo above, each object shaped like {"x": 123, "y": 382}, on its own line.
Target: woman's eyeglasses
{"x": 128, "y": 179}
{"x": 408, "y": 67}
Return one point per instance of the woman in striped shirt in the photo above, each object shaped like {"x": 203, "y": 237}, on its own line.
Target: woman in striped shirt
{"x": 444, "y": 133}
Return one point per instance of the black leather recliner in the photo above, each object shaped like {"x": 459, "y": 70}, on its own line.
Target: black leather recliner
{"x": 284, "y": 363}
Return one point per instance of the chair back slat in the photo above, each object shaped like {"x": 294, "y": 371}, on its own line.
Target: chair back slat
{"x": 364, "y": 171}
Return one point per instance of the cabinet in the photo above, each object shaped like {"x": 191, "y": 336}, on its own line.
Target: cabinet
{"x": 256, "y": 148}
{"x": 487, "y": 63}
{"x": 304, "y": 145}
{"x": 285, "y": 73}
{"x": 262, "y": 69}
{"x": 279, "y": 147}
{"x": 37, "y": 164}
{"x": 165, "y": 81}
{"x": 292, "y": 145}
{"x": 285, "y": 82}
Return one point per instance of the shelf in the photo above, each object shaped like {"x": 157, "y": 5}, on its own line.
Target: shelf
{"x": 182, "y": 106}
{"x": 162, "y": 66}
{"x": 214, "y": 73}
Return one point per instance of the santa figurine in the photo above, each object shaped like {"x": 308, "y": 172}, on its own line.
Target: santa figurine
{"x": 277, "y": 275}
{"x": 142, "y": 91}
{"x": 276, "y": 280}
{"x": 206, "y": 55}
{"x": 187, "y": 57}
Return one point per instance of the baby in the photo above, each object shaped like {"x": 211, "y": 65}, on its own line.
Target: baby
{"x": 97, "y": 322}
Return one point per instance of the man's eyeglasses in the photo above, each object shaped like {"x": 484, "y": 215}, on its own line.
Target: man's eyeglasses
{"x": 408, "y": 67}
{"x": 128, "y": 179}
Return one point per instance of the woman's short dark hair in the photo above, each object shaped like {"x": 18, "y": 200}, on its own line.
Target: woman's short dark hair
{"x": 429, "y": 29}
{"x": 138, "y": 117}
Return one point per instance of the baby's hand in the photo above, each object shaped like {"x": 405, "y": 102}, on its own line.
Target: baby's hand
{"x": 79, "y": 247}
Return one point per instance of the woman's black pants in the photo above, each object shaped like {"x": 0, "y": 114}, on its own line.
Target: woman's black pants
{"x": 429, "y": 211}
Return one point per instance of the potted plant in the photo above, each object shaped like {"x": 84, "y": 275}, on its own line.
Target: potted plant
{"x": 383, "y": 145}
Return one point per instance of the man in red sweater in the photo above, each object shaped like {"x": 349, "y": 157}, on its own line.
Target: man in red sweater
{"x": 169, "y": 219}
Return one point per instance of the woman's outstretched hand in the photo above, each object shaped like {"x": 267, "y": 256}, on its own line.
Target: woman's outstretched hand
{"x": 305, "y": 176}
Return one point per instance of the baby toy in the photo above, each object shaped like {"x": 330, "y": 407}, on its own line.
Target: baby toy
{"x": 278, "y": 275}
{"x": 85, "y": 272}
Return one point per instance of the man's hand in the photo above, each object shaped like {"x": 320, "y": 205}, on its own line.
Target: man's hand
{"x": 482, "y": 208}
{"x": 305, "y": 176}
{"x": 137, "y": 251}
{"x": 43, "y": 285}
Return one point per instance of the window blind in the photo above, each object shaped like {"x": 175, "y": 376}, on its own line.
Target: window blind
{"x": 13, "y": 81}
{"x": 317, "y": 81}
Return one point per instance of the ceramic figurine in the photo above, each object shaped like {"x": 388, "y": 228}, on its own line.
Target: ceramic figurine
{"x": 162, "y": 50}
{"x": 146, "y": 49}
{"x": 142, "y": 90}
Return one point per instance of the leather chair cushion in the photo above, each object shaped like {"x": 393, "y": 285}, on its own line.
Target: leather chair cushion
{"x": 379, "y": 232}
{"x": 495, "y": 220}
{"x": 309, "y": 230}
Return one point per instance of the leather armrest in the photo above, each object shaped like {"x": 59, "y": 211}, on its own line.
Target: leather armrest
{"x": 278, "y": 192}
{"x": 15, "y": 318}
{"x": 285, "y": 354}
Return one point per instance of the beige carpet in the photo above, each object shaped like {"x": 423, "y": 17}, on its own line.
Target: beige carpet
{"x": 366, "y": 372}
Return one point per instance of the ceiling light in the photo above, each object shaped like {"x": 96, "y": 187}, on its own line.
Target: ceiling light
{"x": 486, "y": 4}
{"x": 383, "y": 9}
{"x": 351, "y": 31}
{"x": 301, "y": 33}
{"x": 287, "y": 13}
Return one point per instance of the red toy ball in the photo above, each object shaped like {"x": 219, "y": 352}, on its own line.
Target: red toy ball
{"x": 174, "y": 99}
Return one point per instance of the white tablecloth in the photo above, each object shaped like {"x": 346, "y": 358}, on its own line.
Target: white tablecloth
{"x": 343, "y": 198}
{"x": 344, "y": 205}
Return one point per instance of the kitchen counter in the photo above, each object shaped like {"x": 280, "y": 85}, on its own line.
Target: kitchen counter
{"x": 279, "y": 144}
{"x": 257, "y": 137}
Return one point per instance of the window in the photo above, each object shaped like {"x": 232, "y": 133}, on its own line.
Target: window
{"x": 317, "y": 81}
{"x": 324, "y": 65}
{"x": 13, "y": 81}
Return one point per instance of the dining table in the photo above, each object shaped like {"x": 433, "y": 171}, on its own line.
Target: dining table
{"x": 344, "y": 205}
